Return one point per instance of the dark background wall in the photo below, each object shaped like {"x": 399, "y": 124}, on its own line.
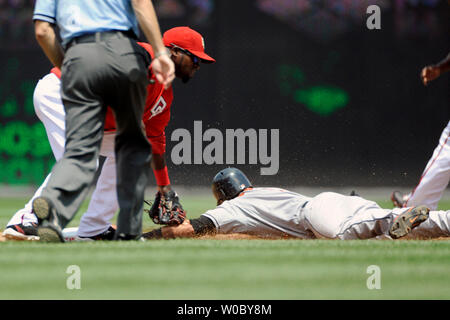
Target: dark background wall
{"x": 348, "y": 101}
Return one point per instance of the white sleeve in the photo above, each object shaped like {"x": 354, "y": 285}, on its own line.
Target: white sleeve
{"x": 225, "y": 220}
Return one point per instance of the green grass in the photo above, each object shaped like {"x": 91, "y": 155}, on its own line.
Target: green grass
{"x": 238, "y": 269}
{"x": 223, "y": 269}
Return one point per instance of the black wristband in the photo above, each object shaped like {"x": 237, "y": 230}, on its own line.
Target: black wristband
{"x": 203, "y": 225}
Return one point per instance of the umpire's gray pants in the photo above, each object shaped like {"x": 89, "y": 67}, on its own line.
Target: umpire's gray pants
{"x": 96, "y": 75}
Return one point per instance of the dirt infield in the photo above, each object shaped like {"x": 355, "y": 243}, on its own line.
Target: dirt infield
{"x": 233, "y": 236}
{"x": 238, "y": 236}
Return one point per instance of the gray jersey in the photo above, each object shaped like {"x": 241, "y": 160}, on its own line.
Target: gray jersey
{"x": 274, "y": 212}
{"x": 269, "y": 212}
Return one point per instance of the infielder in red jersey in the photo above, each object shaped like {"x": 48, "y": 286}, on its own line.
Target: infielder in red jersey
{"x": 187, "y": 52}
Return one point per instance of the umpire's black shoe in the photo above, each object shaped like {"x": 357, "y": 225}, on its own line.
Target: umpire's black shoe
{"x": 107, "y": 235}
{"x": 408, "y": 220}
{"x": 126, "y": 237}
{"x": 48, "y": 229}
{"x": 399, "y": 199}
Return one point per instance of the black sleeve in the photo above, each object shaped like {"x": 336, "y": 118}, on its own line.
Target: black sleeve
{"x": 154, "y": 234}
{"x": 203, "y": 225}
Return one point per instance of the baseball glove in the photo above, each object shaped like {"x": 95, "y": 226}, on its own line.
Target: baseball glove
{"x": 166, "y": 209}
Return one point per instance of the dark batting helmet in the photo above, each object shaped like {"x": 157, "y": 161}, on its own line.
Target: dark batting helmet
{"x": 229, "y": 183}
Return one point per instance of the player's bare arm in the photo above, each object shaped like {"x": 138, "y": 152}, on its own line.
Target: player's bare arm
{"x": 188, "y": 229}
{"x": 46, "y": 37}
{"x": 162, "y": 66}
{"x": 430, "y": 73}
{"x": 444, "y": 65}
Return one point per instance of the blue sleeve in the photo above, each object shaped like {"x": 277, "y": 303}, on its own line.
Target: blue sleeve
{"x": 45, "y": 10}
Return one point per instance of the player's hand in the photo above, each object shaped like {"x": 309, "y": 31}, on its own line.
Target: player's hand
{"x": 164, "y": 70}
{"x": 429, "y": 73}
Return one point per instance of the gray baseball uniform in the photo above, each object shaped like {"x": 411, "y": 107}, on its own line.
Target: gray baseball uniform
{"x": 103, "y": 65}
{"x": 274, "y": 212}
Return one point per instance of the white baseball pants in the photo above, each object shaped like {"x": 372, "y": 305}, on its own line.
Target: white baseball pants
{"x": 331, "y": 215}
{"x": 435, "y": 177}
{"x": 103, "y": 205}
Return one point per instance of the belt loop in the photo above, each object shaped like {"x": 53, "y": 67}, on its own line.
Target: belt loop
{"x": 98, "y": 37}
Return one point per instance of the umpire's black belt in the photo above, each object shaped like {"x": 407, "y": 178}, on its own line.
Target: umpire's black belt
{"x": 100, "y": 36}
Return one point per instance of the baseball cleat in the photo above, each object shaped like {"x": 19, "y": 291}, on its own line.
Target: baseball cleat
{"x": 408, "y": 220}
{"x": 126, "y": 237}
{"x": 399, "y": 199}
{"x": 48, "y": 229}
{"x": 21, "y": 232}
{"x": 48, "y": 232}
{"x": 42, "y": 208}
{"x": 106, "y": 235}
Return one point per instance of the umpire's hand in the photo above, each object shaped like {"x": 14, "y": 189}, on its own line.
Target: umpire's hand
{"x": 164, "y": 69}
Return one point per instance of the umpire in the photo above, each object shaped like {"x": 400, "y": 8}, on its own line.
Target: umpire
{"x": 101, "y": 66}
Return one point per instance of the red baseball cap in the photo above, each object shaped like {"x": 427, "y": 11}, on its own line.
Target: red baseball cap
{"x": 188, "y": 39}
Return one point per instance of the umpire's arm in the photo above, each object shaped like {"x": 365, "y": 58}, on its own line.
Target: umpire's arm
{"x": 162, "y": 66}
{"x": 46, "y": 37}
{"x": 188, "y": 229}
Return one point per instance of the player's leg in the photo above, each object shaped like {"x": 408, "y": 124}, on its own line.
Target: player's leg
{"x": 435, "y": 177}
{"x": 335, "y": 216}
{"x": 373, "y": 221}
{"x": 25, "y": 215}
{"x": 83, "y": 82}
{"x": 131, "y": 145}
{"x": 103, "y": 205}
{"x": 49, "y": 109}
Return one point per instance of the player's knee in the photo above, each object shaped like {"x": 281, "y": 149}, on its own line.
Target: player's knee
{"x": 319, "y": 224}
{"x": 321, "y": 216}
{"x": 38, "y": 96}
{"x": 323, "y": 231}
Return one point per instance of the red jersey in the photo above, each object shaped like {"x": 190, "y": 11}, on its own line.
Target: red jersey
{"x": 157, "y": 110}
